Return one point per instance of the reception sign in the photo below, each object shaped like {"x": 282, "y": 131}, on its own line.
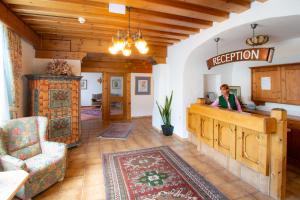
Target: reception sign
{"x": 253, "y": 54}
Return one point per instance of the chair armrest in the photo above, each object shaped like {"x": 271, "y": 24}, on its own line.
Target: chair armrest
{"x": 54, "y": 148}
{"x": 11, "y": 163}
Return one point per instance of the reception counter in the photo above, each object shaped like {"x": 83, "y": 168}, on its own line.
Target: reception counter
{"x": 251, "y": 146}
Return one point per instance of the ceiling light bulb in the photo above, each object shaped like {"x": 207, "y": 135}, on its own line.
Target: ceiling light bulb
{"x": 126, "y": 52}
{"x": 140, "y": 44}
{"x": 144, "y": 50}
{"x": 120, "y": 44}
{"x": 113, "y": 50}
{"x": 81, "y": 20}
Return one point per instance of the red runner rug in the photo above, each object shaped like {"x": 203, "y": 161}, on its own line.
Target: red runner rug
{"x": 154, "y": 174}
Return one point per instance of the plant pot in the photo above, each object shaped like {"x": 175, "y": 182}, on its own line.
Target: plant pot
{"x": 167, "y": 130}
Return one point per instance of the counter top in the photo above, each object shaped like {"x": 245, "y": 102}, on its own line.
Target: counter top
{"x": 253, "y": 121}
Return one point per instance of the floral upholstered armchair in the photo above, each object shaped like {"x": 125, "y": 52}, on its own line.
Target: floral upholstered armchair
{"x": 23, "y": 146}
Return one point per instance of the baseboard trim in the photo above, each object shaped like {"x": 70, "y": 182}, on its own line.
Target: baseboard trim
{"x": 141, "y": 117}
{"x": 174, "y": 135}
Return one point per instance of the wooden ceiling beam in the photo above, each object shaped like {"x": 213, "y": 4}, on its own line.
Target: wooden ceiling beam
{"x": 163, "y": 6}
{"x": 137, "y": 13}
{"x": 236, "y": 6}
{"x": 94, "y": 46}
{"x": 18, "y": 26}
{"x": 70, "y": 36}
{"x": 100, "y": 34}
{"x": 96, "y": 18}
{"x": 102, "y": 9}
{"x": 38, "y": 22}
{"x": 176, "y": 8}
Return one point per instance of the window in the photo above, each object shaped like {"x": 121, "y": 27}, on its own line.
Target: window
{"x": 4, "y": 105}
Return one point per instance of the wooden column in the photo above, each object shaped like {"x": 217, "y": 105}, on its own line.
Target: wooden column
{"x": 105, "y": 106}
{"x": 278, "y": 155}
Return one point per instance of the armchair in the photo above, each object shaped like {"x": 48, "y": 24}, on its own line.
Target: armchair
{"x": 23, "y": 146}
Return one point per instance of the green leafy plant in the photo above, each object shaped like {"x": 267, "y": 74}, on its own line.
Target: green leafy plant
{"x": 165, "y": 111}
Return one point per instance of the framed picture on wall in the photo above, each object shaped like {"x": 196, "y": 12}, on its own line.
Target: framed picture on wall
{"x": 142, "y": 85}
{"x": 83, "y": 84}
{"x": 116, "y": 84}
{"x": 236, "y": 90}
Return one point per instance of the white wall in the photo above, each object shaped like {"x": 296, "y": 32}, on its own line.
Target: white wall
{"x": 93, "y": 87}
{"x": 141, "y": 105}
{"x": 161, "y": 88}
{"x": 187, "y": 70}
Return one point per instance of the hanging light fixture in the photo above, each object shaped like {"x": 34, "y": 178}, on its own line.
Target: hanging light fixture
{"x": 124, "y": 40}
{"x": 256, "y": 40}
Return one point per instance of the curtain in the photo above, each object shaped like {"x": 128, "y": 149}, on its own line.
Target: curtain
{"x": 4, "y": 110}
{"x": 12, "y": 66}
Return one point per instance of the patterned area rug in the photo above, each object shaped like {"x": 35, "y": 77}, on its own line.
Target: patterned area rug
{"x": 117, "y": 131}
{"x": 90, "y": 113}
{"x": 94, "y": 112}
{"x": 154, "y": 174}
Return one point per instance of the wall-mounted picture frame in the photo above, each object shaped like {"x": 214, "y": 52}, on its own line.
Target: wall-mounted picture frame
{"x": 83, "y": 84}
{"x": 116, "y": 84}
{"x": 142, "y": 85}
{"x": 236, "y": 90}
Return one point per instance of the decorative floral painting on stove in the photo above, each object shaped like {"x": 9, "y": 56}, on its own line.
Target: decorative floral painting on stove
{"x": 60, "y": 98}
{"x": 60, "y": 127}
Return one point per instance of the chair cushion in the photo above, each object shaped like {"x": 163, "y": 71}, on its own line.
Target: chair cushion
{"x": 22, "y": 137}
{"x": 43, "y": 163}
{"x": 2, "y": 144}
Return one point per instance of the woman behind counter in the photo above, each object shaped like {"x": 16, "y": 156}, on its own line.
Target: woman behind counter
{"x": 227, "y": 100}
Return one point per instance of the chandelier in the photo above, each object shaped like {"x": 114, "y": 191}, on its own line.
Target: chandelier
{"x": 256, "y": 40}
{"x": 124, "y": 40}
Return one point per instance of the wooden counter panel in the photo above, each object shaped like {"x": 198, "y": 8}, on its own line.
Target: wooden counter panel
{"x": 255, "y": 122}
{"x": 252, "y": 149}
{"x": 242, "y": 136}
{"x": 225, "y": 138}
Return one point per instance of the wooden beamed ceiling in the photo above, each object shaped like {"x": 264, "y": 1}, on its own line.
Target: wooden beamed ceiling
{"x": 163, "y": 22}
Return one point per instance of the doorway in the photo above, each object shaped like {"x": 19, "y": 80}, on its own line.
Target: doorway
{"x": 116, "y": 96}
{"x": 91, "y": 96}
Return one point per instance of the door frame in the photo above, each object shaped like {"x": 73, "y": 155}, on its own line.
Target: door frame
{"x": 106, "y": 88}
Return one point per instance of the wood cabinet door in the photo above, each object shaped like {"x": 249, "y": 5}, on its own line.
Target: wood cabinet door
{"x": 290, "y": 84}
{"x": 252, "y": 149}
{"x": 207, "y": 130}
{"x": 261, "y": 94}
{"x": 225, "y": 138}
{"x": 193, "y": 123}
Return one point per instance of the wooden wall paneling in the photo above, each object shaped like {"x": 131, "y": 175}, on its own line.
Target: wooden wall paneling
{"x": 105, "y": 91}
{"x": 128, "y": 96}
{"x": 290, "y": 84}
{"x": 60, "y": 54}
{"x": 253, "y": 149}
{"x": 225, "y": 138}
{"x": 272, "y": 95}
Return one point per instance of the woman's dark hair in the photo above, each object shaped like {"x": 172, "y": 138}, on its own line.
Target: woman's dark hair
{"x": 224, "y": 86}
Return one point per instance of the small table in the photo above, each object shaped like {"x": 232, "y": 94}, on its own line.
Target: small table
{"x": 11, "y": 182}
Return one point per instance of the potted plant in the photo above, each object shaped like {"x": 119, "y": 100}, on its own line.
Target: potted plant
{"x": 165, "y": 113}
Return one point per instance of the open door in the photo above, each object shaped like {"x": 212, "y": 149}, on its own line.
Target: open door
{"x": 116, "y": 96}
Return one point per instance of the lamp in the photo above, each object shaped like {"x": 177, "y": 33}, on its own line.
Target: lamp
{"x": 256, "y": 40}
{"x": 125, "y": 39}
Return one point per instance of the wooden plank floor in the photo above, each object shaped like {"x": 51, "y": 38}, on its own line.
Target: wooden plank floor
{"x": 84, "y": 178}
